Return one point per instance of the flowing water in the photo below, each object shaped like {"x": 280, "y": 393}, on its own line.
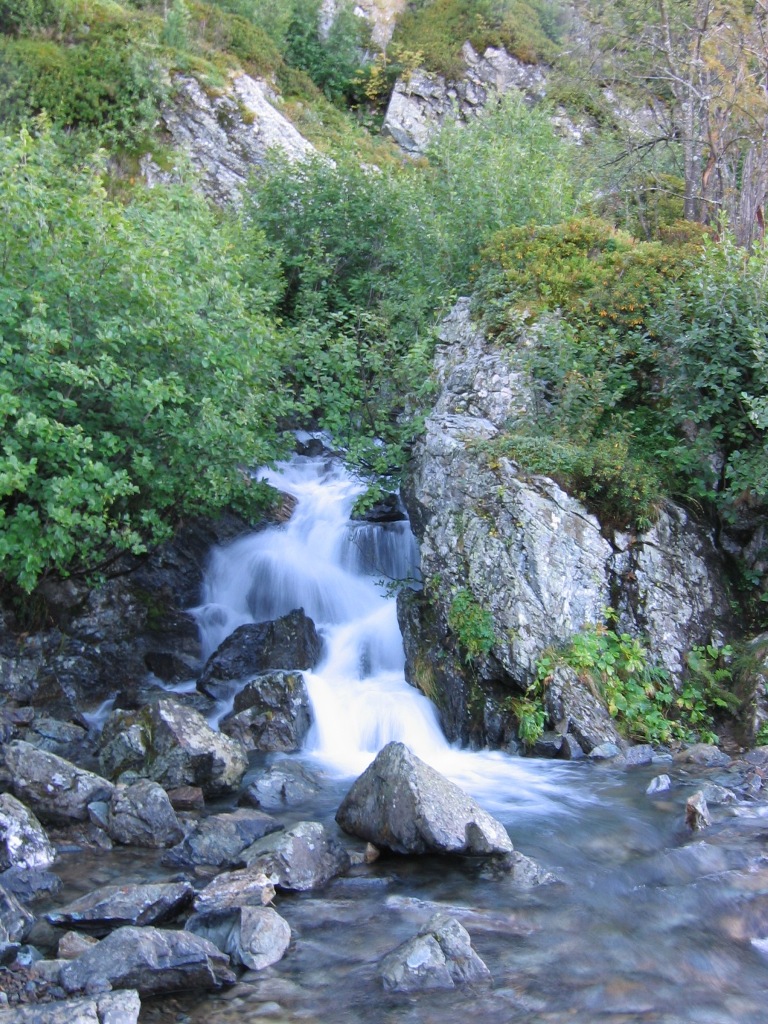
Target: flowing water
{"x": 645, "y": 923}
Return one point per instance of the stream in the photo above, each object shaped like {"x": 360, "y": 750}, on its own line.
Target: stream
{"x": 645, "y": 920}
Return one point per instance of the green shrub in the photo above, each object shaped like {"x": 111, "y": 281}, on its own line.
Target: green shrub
{"x": 472, "y": 625}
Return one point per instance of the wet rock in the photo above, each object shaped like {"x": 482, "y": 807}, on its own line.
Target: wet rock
{"x": 715, "y": 795}
{"x": 113, "y": 906}
{"x": 521, "y": 870}
{"x": 15, "y": 920}
{"x": 23, "y": 841}
{"x": 605, "y": 752}
{"x": 56, "y": 789}
{"x": 703, "y": 754}
{"x": 661, "y": 784}
{"x": 221, "y": 838}
{"x": 549, "y": 744}
{"x": 290, "y": 642}
{"x": 255, "y": 937}
{"x": 439, "y": 956}
{"x": 571, "y": 749}
{"x": 283, "y": 785}
{"x": 72, "y": 944}
{"x": 388, "y": 509}
{"x": 638, "y": 755}
{"x": 697, "y": 814}
{"x": 271, "y": 713}
{"x": 248, "y": 887}
{"x": 105, "y": 1008}
{"x": 186, "y": 798}
{"x": 303, "y": 857}
{"x": 29, "y": 886}
{"x": 399, "y": 802}
{"x": 142, "y": 815}
{"x": 150, "y": 960}
{"x": 568, "y": 700}
{"x": 173, "y": 745}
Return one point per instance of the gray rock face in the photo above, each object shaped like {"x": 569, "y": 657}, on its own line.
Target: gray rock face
{"x": 255, "y": 937}
{"x": 105, "y": 1008}
{"x": 56, "y": 789}
{"x": 439, "y": 956}
{"x": 530, "y": 556}
{"x": 401, "y": 803}
{"x": 272, "y": 713}
{"x": 290, "y": 642}
{"x": 142, "y": 815}
{"x": 172, "y": 745}
{"x": 114, "y": 906}
{"x": 221, "y": 838}
{"x": 150, "y": 960}
{"x": 422, "y": 102}
{"x": 23, "y": 841}
{"x": 226, "y": 136}
{"x": 569, "y": 702}
{"x": 303, "y": 857}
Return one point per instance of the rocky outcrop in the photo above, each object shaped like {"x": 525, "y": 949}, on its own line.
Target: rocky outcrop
{"x": 401, "y": 803}
{"x": 439, "y": 956}
{"x": 227, "y": 133}
{"x": 172, "y": 745}
{"x": 519, "y": 549}
{"x": 421, "y": 102}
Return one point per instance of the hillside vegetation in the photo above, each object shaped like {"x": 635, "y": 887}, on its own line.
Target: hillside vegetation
{"x": 154, "y": 347}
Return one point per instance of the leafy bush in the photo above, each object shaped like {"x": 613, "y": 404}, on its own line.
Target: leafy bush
{"x": 331, "y": 61}
{"x": 472, "y": 624}
{"x": 138, "y": 372}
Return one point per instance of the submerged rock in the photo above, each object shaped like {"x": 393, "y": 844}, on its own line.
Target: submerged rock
{"x": 57, "y": 789}
{"x": 271, "y": 713}
{"x": 23, "y": 841}
{"x": 172, "y": 745}
{"x": 113, "y": 906}
{"x": 150, "y": 960}
{"x": 439, "y": 956}
{"x": 304, "y": 857}
{"x": 255, "y": 937}
{"x": 399, "y": 802}
{"x": 221, "y": 838}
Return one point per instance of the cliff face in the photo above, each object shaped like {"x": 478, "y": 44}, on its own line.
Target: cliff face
{"x": 517, "y": 546}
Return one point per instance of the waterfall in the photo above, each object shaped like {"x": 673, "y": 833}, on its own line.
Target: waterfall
{"x": 338, "y": 571}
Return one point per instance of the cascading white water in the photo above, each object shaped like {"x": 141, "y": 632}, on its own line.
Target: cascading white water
{"x": 337, "y": 570}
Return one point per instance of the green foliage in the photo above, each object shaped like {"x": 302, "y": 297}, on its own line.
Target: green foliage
{"x": 18, "y": 17}
{"x": 472, "y": 624}
{"x": 637, "y": 693}
{"x": 138, "y": 372}
{"x": 332, "y": 61}
{"x": 439, "y": 28}
{"x": 176, "y": 28}
{"x": 531, "y": 718}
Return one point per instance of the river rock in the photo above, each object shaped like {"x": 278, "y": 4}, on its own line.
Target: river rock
{"x": 290, "y": 642}
{"x": 58, "y": 790}
{"x": 150, "y": 960}
{"x": 248, "y": 887}
{"x": 255, "y": 937}
{"x": 271, "y": 713}
{"x": 72, "y": 944}
{"x": 221, "y": 838}
{"x": 704, "y": 754}
{"x": 439, "y": 956}
{"x": 283, "y": 784}
{"x": 15, "y": 920}
{"x": 23, "y": 841}
{"x": 113, "y": 906}
{"x": 63, "y": 738}
{"x": 105, "y": 1008}
{"x": 399, "y": 802}
{"x": 697, "y": 814}
{"x": 142, "y": 815}
{"x": 172, "y": 745}
{"x": 304, "y": 857}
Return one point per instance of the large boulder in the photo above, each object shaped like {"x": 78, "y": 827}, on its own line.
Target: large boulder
{"x": 173, "y": 745}
{"x": 114, "y": 906}
{"x": 58, "y": 790}
{"x": 304, "y": 857}
{"x": 221, "y": 838}
{"x": 23, "y": 841}
{"x": 401, "y": 803}
{"x": 150, "y": 960}
{"x": 271, "y": 713}
{"x": 142, "y": 815}
{"x": 255, "y": 937}
{"x": 439, "y": 956}
{"x": 290, "y": 642}
{"x": 104, "y": 1008}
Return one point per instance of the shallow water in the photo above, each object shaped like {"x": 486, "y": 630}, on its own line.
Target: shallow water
{"x": 646, "y": 922}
